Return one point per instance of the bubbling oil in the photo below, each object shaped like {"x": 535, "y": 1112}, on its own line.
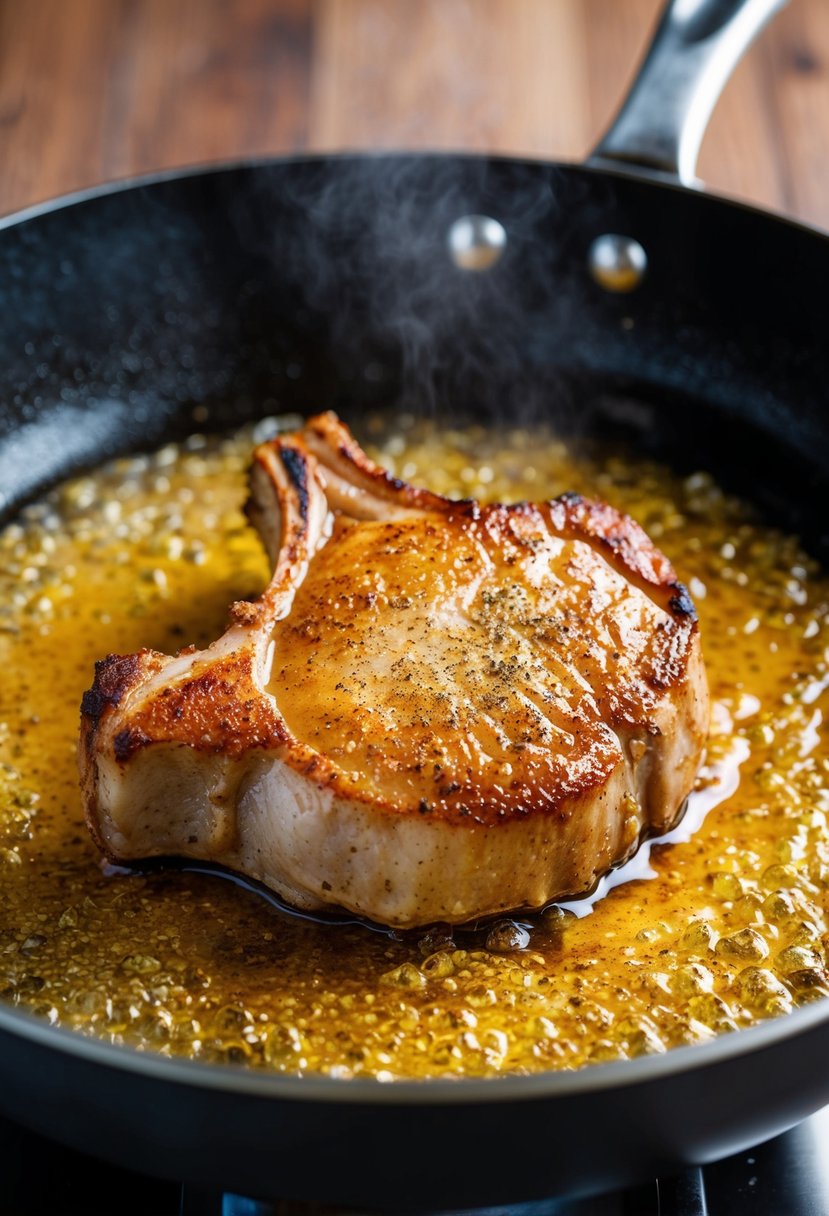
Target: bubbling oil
{"x": 725, "y": 925}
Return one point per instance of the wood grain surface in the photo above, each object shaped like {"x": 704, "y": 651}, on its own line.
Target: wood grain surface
{"x": 97, "y": 89}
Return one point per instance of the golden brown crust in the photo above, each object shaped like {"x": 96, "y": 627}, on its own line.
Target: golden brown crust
{"x": 619, "y": 538}
{"x": 336, "y": 449}
{"x": 114, "y": 676}
{"x": 217, "y": 709}
{"x": 626, "y": 546}
{"x": 556, "y": 748}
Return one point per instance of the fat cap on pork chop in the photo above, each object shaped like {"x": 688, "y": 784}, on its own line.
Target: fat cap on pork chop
{"x": 436, "y": 711}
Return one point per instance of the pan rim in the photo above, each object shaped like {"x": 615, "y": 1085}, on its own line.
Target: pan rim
{"x": 632, "y": 175}
{"x": 369, "y": 1091}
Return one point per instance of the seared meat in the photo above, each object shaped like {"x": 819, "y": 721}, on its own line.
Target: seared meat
{"x": 437, "y": 711}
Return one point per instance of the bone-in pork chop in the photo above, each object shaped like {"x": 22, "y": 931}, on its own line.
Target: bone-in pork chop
{"x": 437, "y": 710}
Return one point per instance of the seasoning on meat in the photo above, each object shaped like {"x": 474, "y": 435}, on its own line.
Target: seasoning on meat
{"x": 437, "y": 711}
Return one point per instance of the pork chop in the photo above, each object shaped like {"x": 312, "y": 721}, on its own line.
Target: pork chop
{"x": 437, "y": 710}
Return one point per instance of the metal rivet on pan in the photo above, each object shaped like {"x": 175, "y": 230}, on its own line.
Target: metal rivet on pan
{"x": 617, "y": 263}
{"x": 476, "y": 242}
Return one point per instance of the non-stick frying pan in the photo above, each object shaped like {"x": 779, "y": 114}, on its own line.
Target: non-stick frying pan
{"x": 300, "y": 284}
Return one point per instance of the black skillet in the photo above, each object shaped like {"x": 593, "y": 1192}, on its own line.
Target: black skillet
{"x": 132, "y": 315}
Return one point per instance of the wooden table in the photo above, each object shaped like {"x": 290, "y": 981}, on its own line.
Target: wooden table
{"x": 99, "y": 89}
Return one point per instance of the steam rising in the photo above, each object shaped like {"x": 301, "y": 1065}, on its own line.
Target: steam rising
{"x": 369, "y": 257}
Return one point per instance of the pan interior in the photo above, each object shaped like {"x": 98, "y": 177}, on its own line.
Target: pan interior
{"x": 257, "y": 302}
{"x": 184, "y": 964}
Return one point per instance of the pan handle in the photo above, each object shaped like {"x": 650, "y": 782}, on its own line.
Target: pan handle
{"x": 659, "y": 128}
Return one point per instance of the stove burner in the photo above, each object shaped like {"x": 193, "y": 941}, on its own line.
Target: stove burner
{"x": 787, "y": 1176}
{"x": 644, "y": 1201}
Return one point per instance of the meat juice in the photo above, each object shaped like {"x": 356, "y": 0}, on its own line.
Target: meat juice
{"x": 720, "y": 925}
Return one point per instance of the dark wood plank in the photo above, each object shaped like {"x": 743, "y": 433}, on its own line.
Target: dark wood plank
{"x": 617, "y": 36}
{"x": 96, "y": 89}
{"x": 797, "y": 100}
{"x": 497, "y": 75}
{"x": 544, "y": 79}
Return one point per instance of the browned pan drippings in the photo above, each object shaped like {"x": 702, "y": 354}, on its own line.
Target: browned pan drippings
{"x": 150, "y": 552}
